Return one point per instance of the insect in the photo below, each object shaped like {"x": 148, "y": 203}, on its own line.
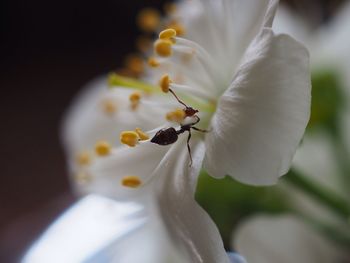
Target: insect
{"x": 170, "y": 135}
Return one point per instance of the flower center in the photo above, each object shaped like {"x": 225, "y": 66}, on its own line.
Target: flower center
{"x": 180, "y": 68}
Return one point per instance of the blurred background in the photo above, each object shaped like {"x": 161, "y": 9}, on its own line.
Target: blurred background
{"x": 49, "y": 50}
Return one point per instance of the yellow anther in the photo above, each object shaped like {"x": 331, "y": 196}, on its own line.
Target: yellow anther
{"x": 109, "y": 107}
{"x": 135, "y": 96}
{"x": 135, "y": 100}
{"x": 148, "y": 19}
{"x": 162, "y": 47}
{"x": 142, "y": 135}
{"x": 164, "y": 83}
{"x": 177, "y": 115}
{"x": 129, "y": 138}
{"x": 153, "y": 62}
{"x": 167, "y": 34}
{"x": 131, "y": 181}
{"x": 84, "y": 158}
{"x": 102, "y": 148}
{"x": 134, "y": 63}
{"x": 180, "y": 29}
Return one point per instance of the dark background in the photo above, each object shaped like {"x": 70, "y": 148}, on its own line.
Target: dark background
{"x": 48, "y": 50}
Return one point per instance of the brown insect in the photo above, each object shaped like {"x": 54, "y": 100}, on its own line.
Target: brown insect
{"x": 170, "y": 135}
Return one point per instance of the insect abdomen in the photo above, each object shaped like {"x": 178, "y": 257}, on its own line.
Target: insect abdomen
{"x": 165, "y": 136}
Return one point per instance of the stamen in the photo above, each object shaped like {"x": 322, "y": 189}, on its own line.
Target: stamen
{"x": 109, "y": 107}
{"x": 131, "y": 181}
{"x": 153, "y": 62}
{"x": 135, "y": 100}
{"x": 167, "y": 34}
{"x": 164, "y": 83}
{"x": 129, "y": 138}
{"x": 163, "y": 47}
{"x": 148, "y": 19}
{"x": 142, "y": 135}
{"x": 177, "y": 115}
{"x": 102, "y": 148}
{"x": 84, "y": 158}
{"x": 189, "y": 89}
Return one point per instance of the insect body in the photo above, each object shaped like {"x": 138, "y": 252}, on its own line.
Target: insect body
{"x": 165, "y": 136}
{"x": 170, "y": 135}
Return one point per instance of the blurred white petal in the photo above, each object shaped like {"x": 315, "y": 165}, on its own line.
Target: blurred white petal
{"x": 87, "y": 229}
{"x": 285, "y": 239}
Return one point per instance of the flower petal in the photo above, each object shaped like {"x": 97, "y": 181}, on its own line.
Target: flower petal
{"x": 267, "y": 239}
{"x": 261, "y": 118}
{"x": 86, "y": 122}
{"x": 98, "y": 229}
{"x": 107, "y": 172}
{"x": 86, "y": 230}
{"x": 236, "y": 258}
{"x": 185, "y": 219}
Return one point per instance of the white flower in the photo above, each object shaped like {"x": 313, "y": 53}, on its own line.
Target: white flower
{"x": 284, "y": 239}
{"x": 252, "y": 90}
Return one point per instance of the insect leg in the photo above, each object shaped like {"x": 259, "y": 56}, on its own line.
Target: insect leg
{"x": 200, "y": 130}
{"x": 188, "y": 146}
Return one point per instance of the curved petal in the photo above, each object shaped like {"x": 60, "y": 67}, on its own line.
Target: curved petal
{"x": 107, "y": 172}
{"x": 185, "y": 219}
{"x": 261, "y": 118}
{"x": 267, "y": 239}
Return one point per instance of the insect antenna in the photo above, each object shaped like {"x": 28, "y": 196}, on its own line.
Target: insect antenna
{"x": 177, "y": 98}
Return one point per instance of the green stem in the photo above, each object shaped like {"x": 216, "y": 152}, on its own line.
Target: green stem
{"x": 342, "y": 157}
{"x": 320, "y": 193}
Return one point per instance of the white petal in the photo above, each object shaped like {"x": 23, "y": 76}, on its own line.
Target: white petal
{"x": 225, "y": 29}
{"x": 289, "y": 22}
{"x": 186, "y": 220}
{"x": 86, "y": 230}
{"x": 247, "y": 20}
{"x": 85, "y": 122}
{"x": 284, "y": 239}
{"x": 261, "y": 118}
{"x": 107, "y": 172}
{"x": 97, "y": 229}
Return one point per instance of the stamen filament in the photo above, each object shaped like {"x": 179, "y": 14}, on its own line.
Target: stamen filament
{"x": 194, "y": 91}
